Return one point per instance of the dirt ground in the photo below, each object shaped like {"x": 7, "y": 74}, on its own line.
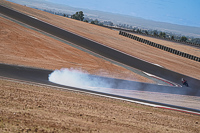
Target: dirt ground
{"x": 31, "y": 108}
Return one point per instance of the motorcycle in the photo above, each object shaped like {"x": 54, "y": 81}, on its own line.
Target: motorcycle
{"x": 185, "y": 83}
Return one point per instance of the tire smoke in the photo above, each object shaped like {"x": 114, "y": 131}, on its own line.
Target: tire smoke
{"x": 76, "y": 78}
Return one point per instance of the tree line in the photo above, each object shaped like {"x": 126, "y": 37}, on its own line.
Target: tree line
{"x": 80, "y": 16}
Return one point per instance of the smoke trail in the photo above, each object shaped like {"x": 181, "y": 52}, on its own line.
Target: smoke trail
{"x": 82, "y": 79}
{"x": 76, "y": 78}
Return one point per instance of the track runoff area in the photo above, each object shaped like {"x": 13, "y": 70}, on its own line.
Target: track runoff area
{"x": 140, "y": 101}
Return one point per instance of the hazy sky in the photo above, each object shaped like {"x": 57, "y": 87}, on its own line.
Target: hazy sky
{"x": 183, "y": 12}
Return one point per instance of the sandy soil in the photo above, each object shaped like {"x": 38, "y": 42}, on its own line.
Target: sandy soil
{"x": 20, "y": 45}
{"x": 31, "y": 108}
{"x": 113, "y": 39}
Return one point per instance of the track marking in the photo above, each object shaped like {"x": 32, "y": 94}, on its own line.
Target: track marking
{"x": 180, "y": 110}
{"x": 34, "y": 17}
{"x": 164, "y": 80}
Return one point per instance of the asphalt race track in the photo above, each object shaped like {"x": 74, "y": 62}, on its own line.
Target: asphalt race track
{"x": 101, "y": 49}
{"x": 41, "y": 75}
{"x": 35, "y": 75}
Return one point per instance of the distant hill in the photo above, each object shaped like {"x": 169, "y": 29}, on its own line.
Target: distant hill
{"x": 115, "y": 18}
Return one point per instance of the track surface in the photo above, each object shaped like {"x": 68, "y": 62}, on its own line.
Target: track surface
{"x": 101, "y": 49}
{"x": 41, "y": 76}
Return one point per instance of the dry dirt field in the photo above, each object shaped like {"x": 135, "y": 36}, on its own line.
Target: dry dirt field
{"x": 32, "y": 108}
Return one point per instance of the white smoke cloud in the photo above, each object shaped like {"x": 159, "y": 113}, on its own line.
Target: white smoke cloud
{"x": 82, "y": 79}
{"x": 76, "y": 78}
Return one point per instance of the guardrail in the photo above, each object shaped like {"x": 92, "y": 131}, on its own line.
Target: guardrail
{"x": 141, "y": 33}
{"x": 162, "y": 47}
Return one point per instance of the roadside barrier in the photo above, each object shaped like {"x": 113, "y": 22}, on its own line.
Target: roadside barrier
{"x": 174, "y": 40}
{"x": 162, "y": 47}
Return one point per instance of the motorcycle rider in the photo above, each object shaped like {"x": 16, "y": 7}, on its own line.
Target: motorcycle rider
{"x": 184, "y": 82}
